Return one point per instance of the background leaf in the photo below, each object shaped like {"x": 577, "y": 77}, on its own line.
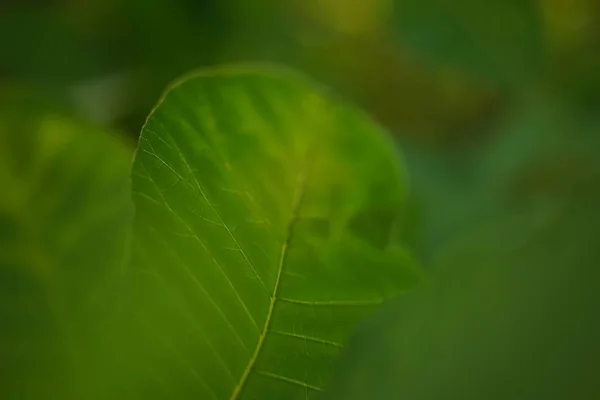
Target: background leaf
{"x": 498, "y": 40}
{"x": 542, "y": 150}
{"x": 269, "y": 221}
{"x": 64, "y": 216}
{"x": 510, "y": 313}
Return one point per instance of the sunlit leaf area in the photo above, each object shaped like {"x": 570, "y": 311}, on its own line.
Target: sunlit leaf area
{"x": 316, "y": 199}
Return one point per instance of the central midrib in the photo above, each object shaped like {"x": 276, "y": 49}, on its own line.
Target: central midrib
{"x": 299, "y": 191}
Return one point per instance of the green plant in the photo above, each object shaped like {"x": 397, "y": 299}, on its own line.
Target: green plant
{"x": 259, "y": 239}
{"x": 268, "y": 223}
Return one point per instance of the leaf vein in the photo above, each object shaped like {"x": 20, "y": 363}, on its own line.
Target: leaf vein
{"x": 197, "y": 238}
{"x": 203, "y": 194}
{"x": 194, "y": 279}
{"x": 334, "y": 303}
{"x": 299, "y": 192}
{"x": 289, "y": 380}
{"x": 309, "y": 338}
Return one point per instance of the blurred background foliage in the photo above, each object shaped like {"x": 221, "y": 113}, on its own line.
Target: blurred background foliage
{"x": 490, "y": 100}
{"x": 511, "y": 313}
{"x": 429, "y": 68}
{"x": 495, "y": 104}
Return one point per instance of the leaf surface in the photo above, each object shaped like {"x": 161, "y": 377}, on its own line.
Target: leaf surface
{"x": 65, "y": 211}
{"x": 267, "y": 226}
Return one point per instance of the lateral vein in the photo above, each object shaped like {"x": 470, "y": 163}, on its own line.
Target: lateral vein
{"x": 300, "y": 183}
{"x": 290, "y": 380}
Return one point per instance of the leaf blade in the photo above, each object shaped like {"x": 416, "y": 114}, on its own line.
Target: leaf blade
{"x": 259, "y": 177}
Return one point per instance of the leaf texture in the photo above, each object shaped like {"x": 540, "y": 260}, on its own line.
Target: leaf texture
{"x": 268, "y": 225}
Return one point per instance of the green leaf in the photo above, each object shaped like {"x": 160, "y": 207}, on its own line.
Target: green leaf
{"x": 267, "y": 226}
{"x": 500, "y": 40}
{"x": 65, "y": 211}
{"x": 511, "y": 313}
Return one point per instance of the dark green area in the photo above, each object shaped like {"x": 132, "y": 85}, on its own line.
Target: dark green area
{"x": 66, "y": 214}
{"x": 492, "y": 190}
{"x": 510, "y": 313}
